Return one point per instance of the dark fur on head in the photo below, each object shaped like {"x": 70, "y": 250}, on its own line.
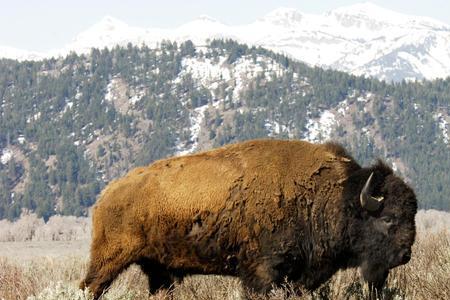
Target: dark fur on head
{"x": 381, "y": 240}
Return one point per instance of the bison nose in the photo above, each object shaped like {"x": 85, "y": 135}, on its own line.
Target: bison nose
{"x": 406, "y": 256}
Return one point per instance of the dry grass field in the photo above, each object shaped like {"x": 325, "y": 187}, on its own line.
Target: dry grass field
{"x": 52, "y": 270}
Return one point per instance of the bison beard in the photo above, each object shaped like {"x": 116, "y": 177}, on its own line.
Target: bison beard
{"x": 263, "y": 210}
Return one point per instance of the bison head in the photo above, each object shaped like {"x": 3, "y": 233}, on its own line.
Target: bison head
{"x": 387, "y": 229}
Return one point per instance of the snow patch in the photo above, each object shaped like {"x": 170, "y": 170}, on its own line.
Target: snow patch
{"x": 109, "y": 96}
{"x": 137, "y": 96}
{"x": 246, "y": 69}
{"x": 206, "y": 71}
{"x": 6, "y": 156}
{"x": 365, "y": 131}
{"x": 209, "y": 72}
{"x": 35, "y": 117}
{"x": 68, "y": 106}
{"x": 275, "y": 128}
{"x": 363, "y": 99}
{"x": 343, "y": 107}
{"x": 443, "y": 125}
{"x": 319, "y": 130}
{"x": 394, "y": 166}
{"x": 21, "y": 139}
{"x": 196, "y": 119}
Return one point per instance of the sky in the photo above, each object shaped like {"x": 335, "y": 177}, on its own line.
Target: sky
{"x": 42, "y": 25}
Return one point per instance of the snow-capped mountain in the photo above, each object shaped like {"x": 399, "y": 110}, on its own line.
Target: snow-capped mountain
{"x": 14, "y": 53}
{"x": 362, "y": 39}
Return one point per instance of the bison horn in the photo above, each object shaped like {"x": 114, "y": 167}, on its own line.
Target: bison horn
{"x": 369, "y": 202}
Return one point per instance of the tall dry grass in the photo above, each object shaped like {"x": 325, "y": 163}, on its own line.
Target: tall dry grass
{"x": 426, "y": 276}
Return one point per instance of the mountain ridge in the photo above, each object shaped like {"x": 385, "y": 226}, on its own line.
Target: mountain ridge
{"x": 70, "y": 125}
{"x": 362, "y": 39}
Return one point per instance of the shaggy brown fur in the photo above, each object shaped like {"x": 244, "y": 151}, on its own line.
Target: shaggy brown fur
{"x": 263, "y": 210}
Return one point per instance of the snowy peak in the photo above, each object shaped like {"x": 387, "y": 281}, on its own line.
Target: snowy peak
{"x": 203, "y": 23}
{"x": 363, "y": 39}
{"x": 14, "y": 53}
{"x": 374, "y": 17}
{"x": 286, "y": 17}
{"x": 108, "y": 28}
{"x": 365, "y": 15}
{"x": 108, "y": 24}
{"x": 106, "y": 33}
{"x": 206, "y": 19}
{"x": 365, "y": 9}
{"x": 201, "y": 29}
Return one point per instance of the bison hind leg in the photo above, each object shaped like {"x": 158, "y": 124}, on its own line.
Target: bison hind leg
{"x": 159, "y": 277}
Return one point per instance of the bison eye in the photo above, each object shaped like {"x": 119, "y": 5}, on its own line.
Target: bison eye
{"x": 387, "y": 220}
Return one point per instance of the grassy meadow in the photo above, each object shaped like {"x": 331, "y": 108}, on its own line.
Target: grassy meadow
{"x": 38, "y": 270}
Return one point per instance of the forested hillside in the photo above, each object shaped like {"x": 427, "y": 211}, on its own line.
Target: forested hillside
{"x": 70, "y": 125}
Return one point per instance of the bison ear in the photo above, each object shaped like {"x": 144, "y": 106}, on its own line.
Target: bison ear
{"x": 369, "y": 202}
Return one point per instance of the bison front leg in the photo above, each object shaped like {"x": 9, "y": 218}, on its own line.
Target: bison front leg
{"x": 158, "y": 275}
{"x": 99, "y": 278}
{"x": 262, "y": 276}
{"x": 376, "y": 287}
{"x": 103, "y": 269}
{"x": 375, "y": 276}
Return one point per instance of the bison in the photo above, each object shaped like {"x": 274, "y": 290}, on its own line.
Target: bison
{"x": 262, "y": 210}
